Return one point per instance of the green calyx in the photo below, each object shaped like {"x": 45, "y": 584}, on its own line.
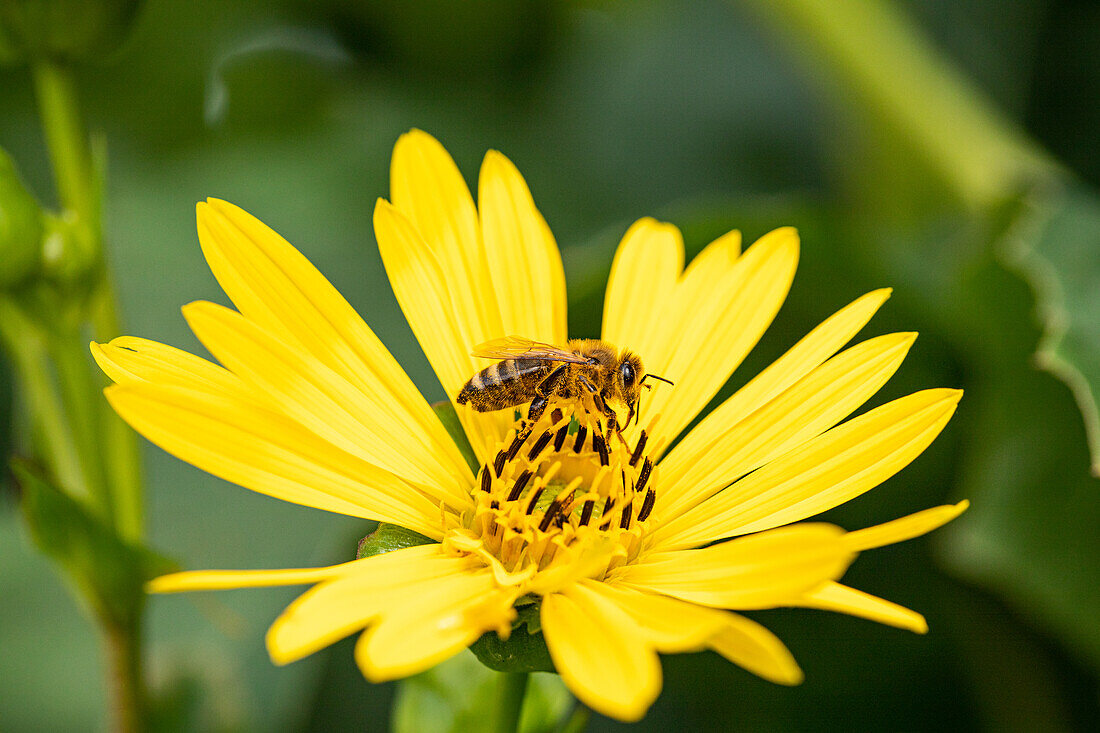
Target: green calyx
{"x": 523, "y": 651}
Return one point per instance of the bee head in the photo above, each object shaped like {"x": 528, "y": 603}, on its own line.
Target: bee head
{"x": 628, "y": 380}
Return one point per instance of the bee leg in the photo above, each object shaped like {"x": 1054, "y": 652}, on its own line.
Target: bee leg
{"x": 534, "y": 412}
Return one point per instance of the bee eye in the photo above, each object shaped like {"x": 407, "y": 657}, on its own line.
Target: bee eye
{"x": 627, "y": 373}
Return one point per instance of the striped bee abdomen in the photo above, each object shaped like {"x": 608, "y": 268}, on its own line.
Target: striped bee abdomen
{"x": 504, "y": 384}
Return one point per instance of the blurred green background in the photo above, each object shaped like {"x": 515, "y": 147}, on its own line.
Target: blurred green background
{"x": 712, "y": 115}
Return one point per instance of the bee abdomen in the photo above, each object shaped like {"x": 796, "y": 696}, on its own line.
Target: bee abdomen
{"x": 503, "y": 384}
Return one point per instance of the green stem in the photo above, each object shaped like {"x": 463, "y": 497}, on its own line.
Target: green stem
{"x": 52, "y": 433}
{"x": 878, "y": 57}
{"x": 120, "y": 446}
{"x": 124, "y": 683}
{"x": 80, "y": 393}
{"x": 67, "y": 140}
{"x": 511, "y": 688}
{"x": 578, "y": 720}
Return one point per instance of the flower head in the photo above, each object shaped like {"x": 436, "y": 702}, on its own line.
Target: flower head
{"x": 626, "y": 547}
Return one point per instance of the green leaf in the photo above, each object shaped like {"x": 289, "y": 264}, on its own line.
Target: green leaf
{"x": 523, "y": 651}
{"x": 445, "y": 411}
{"x": 459, "y": 695}
{"x": 108, "y": 572}
{"x": 1057, "y": 252}
{"x": 387, "y": 538}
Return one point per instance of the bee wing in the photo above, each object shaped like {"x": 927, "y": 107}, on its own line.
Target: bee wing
{"x": 517, "y": 347}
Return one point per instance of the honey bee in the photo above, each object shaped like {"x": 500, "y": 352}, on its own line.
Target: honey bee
{"x": 587, "y": 371}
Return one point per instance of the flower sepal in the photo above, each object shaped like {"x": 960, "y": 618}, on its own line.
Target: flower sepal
{"x": 387, "y": 538}
{"x": 523, "y": 651}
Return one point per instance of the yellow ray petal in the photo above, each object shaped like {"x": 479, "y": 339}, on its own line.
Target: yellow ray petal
{"x": 673, "y": 626}
{"x": 840, "y": 598}
{"x": 759, "y": 571}
{"x": 716, "y": 322}
{"x": 523, "y": 258}
{"x": 430, "y": 238}
{"x": 372, "y": 587}
{"x": 905, "y": 528}
{"x": 426, "y": 624}
{"x": 131, "y": 359}
{"x": 597, "y": 651}
{"x": 831, "y": 469}
{"x": 640, "y": 287}
{"x": 357, "y": 420}
{"x": 274, "y": 285}
{"x": 666, "y": 624}
{"x": 803, "y": 357}
{"x": 749, "y": 645}
{"x": 422, "y": 289}
{"x": 270, "y": 454}
{"x": 812, "y": 405}
{"x": 190, "y": 580}
{"x": 427, "y": 187}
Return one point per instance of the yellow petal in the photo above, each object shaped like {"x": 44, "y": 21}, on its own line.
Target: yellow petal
{"x": 641, "y": 285}
{"x": 130, "y": 359}
{"x": 272, "y": 284}
{"x": 226, "y": 579}
{"x": 840, "y": 598}
{"x": 597, "y": 651}
{"x": 523, "y": 258}
{"x": 760, "y": 571}
{"x": 812, "y": 405}
{"x": 749, "y": 645}
{"x": 430, "y": 622}
{"x": 829, "y": 470}
{"x": 666, "y": 624}
{"x": 427, "y": 187}
{"x": 373, "y": 587}
{"x": 424, "y": 289}
{"x": 358, "y": 420}
{"x": 803, "y": 357}
{"x": 270, "y": 454}
{"x": 905, "y": 528}
{"x": 717, "y": 316}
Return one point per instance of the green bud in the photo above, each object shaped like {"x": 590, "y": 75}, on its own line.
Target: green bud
{"x": 68, "y": 251}
{"x": 20, "y": 226}
{"x": 63, "y": 30}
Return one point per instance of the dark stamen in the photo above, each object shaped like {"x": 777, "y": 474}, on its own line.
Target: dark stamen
{"x": 601, "y": 447}
{"x": 517, "y": 443}
{"x": 647, "y": 505}
{"x": 607, "y": 505}
{"x": 541, "y": 443}
{"x": 638, "y": 449}
{"x": 586, "y": 511}
{"x": 647, "y": 468}
{"x": 559, "y": 439}
{"x": 486, "y": 479}
{"x": 624, "y": 522}
{"x": 534, "y": 499}
{"x": 498, "y": 464}
{"x": 551, "y": 512}
{"x": 520, "y": 485}
{"x": 557, "y": 415}
{"x": 578, "y": 444}
{"x": 494, "y": 504}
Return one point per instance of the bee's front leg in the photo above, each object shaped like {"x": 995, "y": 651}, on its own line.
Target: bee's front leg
{"x": 544, "y": 391}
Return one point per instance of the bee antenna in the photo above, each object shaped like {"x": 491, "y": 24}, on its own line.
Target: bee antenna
{"x": 666, "y": 381}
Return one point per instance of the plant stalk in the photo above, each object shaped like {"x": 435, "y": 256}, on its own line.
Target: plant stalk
{"x": 511, "y": 689}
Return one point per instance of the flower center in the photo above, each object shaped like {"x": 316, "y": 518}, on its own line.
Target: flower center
{"x": 557, "y": 503}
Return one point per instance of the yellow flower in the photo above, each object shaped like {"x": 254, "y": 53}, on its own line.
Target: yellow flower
{"x": 308, "y": 406}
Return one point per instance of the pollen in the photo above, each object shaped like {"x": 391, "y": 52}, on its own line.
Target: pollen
{"x": 558, "y": 501}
